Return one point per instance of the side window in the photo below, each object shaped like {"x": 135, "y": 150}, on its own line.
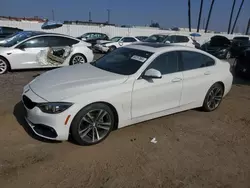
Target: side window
{"x": 128, "y": 39}
{"x": 61, "y": 41}
{"x": 57, "y": 41}
{"x": 180, "y": 39}
{"x": 194, "y": 60}
{"x": 171, "y": 38}
{"x": 39, "y": 42}
{"x": 166, "y": 63}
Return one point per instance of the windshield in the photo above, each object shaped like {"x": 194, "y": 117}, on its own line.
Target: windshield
{"x": 125, "y": 61}
{"x": 115, "y": 39}
{"x": 16, "y": 38}
{"x": 156, "y": 38}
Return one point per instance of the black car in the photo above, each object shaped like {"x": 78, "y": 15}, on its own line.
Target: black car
{"x": 92, "y": 38}
{"x": 7, "y": 31}
{"x": 239, "y": 44}
{"x": 219, "y": 46}
{"x": 242, "y": 67}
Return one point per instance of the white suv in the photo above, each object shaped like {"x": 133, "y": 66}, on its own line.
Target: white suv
{"x": 177, "y": 39}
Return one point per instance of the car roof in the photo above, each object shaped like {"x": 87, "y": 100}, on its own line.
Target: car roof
{"x": 42, "y": 33}
{"x": 159, "y": 47}
{"x": 165, "y": 34}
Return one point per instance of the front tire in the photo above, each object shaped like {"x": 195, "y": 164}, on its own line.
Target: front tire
{"x": 92, "y": 124}
{"x": 4, "y": 66}
{"x": 213, "y": 97}
{"x": 112, "y": 48}
{"x": 77, "y": 59}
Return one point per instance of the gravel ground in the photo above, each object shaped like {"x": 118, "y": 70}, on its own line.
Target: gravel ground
{"x": 194, "y": 149}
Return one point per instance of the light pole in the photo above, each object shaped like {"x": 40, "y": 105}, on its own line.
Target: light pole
{"x": 199, "y": 19}
{"x": 189, "y": 15}
{"x": 209, "y": 14}
{"x": 230, "y": 20}
{"x": 108, "y": 10}
{"x": 236, "y": 19}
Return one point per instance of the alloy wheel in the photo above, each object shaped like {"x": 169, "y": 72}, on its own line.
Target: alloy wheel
{"x": 94, "y": 125}
{"x": 78, "y": 59}
{"x": 3, "y": 66}
{"x": 214, "y": 98}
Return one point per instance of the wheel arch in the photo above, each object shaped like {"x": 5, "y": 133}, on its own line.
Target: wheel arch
{"x": 113, "y": 109}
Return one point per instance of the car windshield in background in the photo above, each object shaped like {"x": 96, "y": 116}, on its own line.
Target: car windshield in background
{"x": 156, "y": 38}
{"x": 15, "y": 39}
{"x": 115, "y": 39}
{"x": 125, "y": 61}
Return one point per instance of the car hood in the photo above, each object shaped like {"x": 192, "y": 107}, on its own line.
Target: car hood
{"x": 63, "y": 83}
{"x": 102, "y": 41}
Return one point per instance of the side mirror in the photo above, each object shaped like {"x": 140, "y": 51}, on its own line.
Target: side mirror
{"x": 167, "y": 42}
{"x": 120, "y": 43}
{"x": 21, "y": 47}
{"x": 152, "y": 73}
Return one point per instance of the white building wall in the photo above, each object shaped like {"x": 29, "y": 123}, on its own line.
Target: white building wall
{"x": 111, "y": 31}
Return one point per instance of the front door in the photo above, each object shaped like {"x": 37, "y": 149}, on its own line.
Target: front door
{"x": 156, "y": 95}
{"x": 26, "y": 54}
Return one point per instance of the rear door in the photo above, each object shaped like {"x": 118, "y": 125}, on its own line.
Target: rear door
{"x": 198, "y": 73}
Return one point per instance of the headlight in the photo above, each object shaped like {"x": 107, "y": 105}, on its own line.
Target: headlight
{"x": 54, "y": 108}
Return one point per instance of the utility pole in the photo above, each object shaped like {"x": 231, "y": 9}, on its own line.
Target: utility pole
{"x": 90, "y": 20}
{"x": 108, "y": 15}
{"x": 199, "y": 20}
{"x": 248, "y": 25}
{"x": 209, "y": 15}
{"x": 230, "y": 20}
{"x": 53, "y": 14}
{"x": 189, "y": 15}
{"x": 236, "y": 19}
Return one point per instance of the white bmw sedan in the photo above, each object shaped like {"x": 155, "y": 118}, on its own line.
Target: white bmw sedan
{"x": 32, "y": 49}
{"x": 129, "y": 85}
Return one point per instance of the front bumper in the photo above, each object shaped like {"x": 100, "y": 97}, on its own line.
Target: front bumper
{"x": 49, "y": 126}
{"x": 101, "y": 48}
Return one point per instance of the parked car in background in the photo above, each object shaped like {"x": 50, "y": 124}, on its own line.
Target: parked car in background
{"x": 92, "y": 38}
{"x": 29, "y": 49}
{"x": 176, "y": 39}
{"x": 239, "y": 44}
{"x": 141, "y": 38}
{"x": 114, "y": 39}
{"x": 219, "y": 46}
{"x": 7, "y": 31}
{"x": 242, "y": 66}
{"x": 132, "y": 84}
{"x": 110, "y": 46}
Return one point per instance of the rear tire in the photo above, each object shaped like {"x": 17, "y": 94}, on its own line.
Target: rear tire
{"x": 213, "y": 98}
{"x": 77, "y": 59}
{"x": 92, "y": 124}
{"x": 4, "y": 66}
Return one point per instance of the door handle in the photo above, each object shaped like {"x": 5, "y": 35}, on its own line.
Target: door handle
{"x": 207, "y": 73}
{"x": 176, "y": 80}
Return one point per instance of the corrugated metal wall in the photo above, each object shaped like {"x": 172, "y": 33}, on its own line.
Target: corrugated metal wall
{"x": 111, "y": 31}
